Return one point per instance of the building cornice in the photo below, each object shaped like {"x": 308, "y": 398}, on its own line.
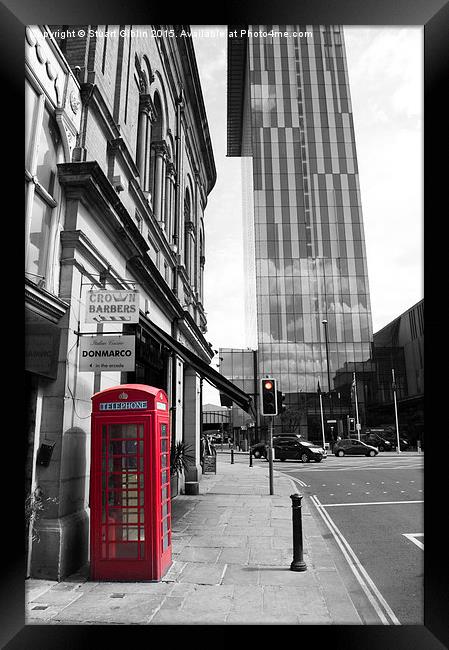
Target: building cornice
{"x": 43, "y": 302}
{"x": 87, "y": 183}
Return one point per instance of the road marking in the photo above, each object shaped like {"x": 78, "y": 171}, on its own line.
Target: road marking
{"x": 412, "y": 537}
{"x": 298, "y": 480}
{"x": 362, "y": 469}
{"x": 368, "y": 503}
{"x": 379, "y": 603}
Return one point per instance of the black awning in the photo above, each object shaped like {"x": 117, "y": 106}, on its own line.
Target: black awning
{"x": 242, "y": 399}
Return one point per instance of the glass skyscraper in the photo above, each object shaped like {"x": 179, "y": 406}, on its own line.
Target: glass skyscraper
{"x": 290, "y": 119}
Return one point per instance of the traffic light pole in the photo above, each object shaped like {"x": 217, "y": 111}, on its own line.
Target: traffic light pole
{"x": 270, "y": 456}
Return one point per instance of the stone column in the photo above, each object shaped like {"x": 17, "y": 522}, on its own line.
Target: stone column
{"x": 160, "y": 149}
{"x": 169, "y": 195}
{"x": 192, "y": 423}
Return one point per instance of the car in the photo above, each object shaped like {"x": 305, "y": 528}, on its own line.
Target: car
{"x": 353, "y": 447}
{"x": 389, "y": 433}
{"x": 290, "y": 447}
{"x": 259, "y": 450}
{"x": 403, "y": 442}
{"x": 377, "y": 440}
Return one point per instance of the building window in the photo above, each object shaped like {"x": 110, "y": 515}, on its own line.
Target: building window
{"x": 43, "y": 150}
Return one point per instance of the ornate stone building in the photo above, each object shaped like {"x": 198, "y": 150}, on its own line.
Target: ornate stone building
{"x": 119, "y": 165}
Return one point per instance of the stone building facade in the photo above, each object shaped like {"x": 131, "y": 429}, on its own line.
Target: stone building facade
{"x": 119, "y": 165}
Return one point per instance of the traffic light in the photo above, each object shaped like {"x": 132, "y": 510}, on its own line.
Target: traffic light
{"x": 268, "y": 396}
{"x": 281, "y": 398}
{"x": 351, "y": 423}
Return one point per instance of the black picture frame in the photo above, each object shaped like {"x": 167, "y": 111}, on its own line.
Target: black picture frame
{"x": 433, "y": 15}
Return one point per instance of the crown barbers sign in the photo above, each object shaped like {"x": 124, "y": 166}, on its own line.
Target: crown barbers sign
{"x": 112, "y": 306}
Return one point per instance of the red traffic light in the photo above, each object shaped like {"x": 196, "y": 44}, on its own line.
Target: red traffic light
{"x": 268, "y": 397}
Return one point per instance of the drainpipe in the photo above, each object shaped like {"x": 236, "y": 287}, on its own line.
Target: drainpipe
{"x": 174, "y": 392}
{"x": 178, "y": 172}
{"x": 174, "y": 326}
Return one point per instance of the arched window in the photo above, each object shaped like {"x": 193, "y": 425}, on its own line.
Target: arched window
{"x": 152, "y": 152}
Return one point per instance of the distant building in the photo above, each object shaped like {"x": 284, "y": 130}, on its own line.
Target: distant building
{"x": 290, "y": 119}
{"x": 400, "y": 346}
{"x": 217, "y": 419}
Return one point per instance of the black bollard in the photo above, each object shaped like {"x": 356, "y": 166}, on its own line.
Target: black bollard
{"x": 298, "y": 564}
{"x": 250, "y": 458}
{"x": 232, "y": 456}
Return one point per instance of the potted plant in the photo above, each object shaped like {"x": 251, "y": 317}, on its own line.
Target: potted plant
{"x": 180, "y": 459}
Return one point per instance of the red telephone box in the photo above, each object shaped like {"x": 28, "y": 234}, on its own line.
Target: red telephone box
{"x": 130, "y": 526}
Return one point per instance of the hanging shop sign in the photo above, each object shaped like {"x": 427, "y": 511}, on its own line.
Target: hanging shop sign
{"x": 112, "y": 306}
{"x": 107, "y": 353}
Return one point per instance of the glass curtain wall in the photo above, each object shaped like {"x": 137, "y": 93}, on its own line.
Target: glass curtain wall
{"x": 310, "y": 260}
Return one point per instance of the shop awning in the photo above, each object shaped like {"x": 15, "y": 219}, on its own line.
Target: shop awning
{"x": 240, "y": 398}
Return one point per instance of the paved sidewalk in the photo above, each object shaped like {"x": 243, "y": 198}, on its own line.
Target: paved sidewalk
{"x": 232, "y": 549}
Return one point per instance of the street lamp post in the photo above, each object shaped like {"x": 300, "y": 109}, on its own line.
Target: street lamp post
{"x": 327, "y": 356}
{"x": 324, "y": 322}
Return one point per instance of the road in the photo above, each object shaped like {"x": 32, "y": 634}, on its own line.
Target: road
{"x": 372, "y": 513}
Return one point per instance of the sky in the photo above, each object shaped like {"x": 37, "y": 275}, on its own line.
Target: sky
{"x": 385, "y": 67}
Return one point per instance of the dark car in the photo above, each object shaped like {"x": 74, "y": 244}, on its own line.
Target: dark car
{"x": 403, "y": 442}
{"x": 291, "y": 447}
{"x": 259, "y": 450}
{"x": 389, "y": 433}
{"x": 351, "y": 447}
{"x": 377, "y": 440}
